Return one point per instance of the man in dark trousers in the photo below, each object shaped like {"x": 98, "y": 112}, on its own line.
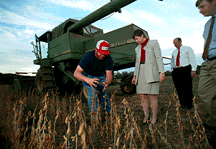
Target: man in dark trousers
{"x": 207, "y": 80}
{"x": 95, "y": 72}
{"x": 183, "y": 65}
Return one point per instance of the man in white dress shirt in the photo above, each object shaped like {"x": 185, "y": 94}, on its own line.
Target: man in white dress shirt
{"x": 183, "y": 65}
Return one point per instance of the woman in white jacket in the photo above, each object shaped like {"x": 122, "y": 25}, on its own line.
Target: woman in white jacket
{"x": 149, "y": 73}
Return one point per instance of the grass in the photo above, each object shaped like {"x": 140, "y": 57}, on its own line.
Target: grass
{"x": 54, "y": 121}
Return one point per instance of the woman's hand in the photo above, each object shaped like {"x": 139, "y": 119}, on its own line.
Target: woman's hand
{"x": 162, "y": 77}
{"x": 193, "y": 73}
{"x": 134, "y": 80}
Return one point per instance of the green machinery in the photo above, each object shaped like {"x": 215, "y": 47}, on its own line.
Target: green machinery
{"x": 69, "y": 41}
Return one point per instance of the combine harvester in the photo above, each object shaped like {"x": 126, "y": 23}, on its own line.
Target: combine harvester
{"x": 69, "y": 41}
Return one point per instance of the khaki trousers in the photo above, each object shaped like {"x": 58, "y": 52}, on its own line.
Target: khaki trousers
{"x": 207, "y": 90}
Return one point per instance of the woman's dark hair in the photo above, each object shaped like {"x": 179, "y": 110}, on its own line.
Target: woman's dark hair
{"x": 138, "y": 32}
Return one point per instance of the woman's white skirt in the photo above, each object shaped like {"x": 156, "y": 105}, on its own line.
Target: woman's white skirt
{"x": 142, "y": 86}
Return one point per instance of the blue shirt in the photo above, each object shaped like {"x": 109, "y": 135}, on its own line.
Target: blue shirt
{"x": 212, "y": 46}
{"x": 93, "y": 66}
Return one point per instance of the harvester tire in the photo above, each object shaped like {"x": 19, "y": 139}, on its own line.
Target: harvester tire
{"x": 126, "y": 85}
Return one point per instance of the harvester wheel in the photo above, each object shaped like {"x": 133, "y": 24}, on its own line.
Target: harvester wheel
{"x": 126, "y": 85}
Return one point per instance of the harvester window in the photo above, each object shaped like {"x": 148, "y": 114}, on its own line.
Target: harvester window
{"x": 93, "y": 30}
{"x": 44, "y": 49}
{"x": 89, "y": 31}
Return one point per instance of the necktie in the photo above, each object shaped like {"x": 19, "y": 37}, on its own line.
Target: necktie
{"x": 205, "y": 52}
{"x": 177, "y": 59}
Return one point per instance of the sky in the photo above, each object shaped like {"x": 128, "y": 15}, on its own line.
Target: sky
{"x": 164, "y": 20}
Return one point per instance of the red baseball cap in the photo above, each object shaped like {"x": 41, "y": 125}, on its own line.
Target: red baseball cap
{"x": 103, "y": 47}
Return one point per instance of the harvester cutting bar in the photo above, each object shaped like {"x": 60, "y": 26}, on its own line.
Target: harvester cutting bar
{"x": 26, "y": 72}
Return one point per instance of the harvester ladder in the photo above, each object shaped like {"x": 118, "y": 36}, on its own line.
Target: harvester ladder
{"x": 47, "y": 74}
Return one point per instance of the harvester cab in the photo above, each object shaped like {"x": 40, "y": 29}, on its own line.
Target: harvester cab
{"x": 69, "y": 41}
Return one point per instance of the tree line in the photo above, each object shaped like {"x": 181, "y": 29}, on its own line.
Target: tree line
{"x": 119, "y": 75}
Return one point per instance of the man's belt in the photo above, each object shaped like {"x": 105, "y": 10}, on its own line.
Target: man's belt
{"x": 181, "y": 67}
{"x": 142, "y": 62}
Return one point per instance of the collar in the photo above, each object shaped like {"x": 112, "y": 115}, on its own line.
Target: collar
{"x": 179, "y": 48}
{"x": 214, "y": 16}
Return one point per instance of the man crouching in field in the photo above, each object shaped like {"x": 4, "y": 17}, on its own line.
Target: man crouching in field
{"x": 91, "y": 71}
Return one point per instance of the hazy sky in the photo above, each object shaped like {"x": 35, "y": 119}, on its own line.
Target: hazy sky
{"x": 21, "y": 19}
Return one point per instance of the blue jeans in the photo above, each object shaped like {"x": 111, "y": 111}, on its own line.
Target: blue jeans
{"x": 96, "y": 93}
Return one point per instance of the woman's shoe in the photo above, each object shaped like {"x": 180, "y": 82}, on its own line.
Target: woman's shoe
{"x": 146, "y": 122}
{"x": 154, "y": 122}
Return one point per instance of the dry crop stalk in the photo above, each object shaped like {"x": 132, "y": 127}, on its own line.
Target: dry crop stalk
{"x": 165, "y": 122}
{"x": 40, "y": 138}
{"x": 131, "y": 138}
{"x": 83, "y": 126}
{"x": 164, "y": 139}
{"x": 56, "y": 117}
{"x": 113, "y": 114}
{"x": 126, "y": 117}
{"x": 113, "y": 111}
{"x": 133, "y": 125}
{"x": 152, "y": 134}
{"x": 63, "y": 108}
{"x": 179, "y": 122}
{"x": 117, "y": 142}
{"x": 199, "y": 121}
{"x": 131, "y": 116}
{"x": 32, "y": 140}
{"x": 18, "y": 115}
{"x": 137, "y": 130}
{"x": 188, "y": 114}
{"x": 44, "y": 119}
{"x": 15, "y": 123}
{"x": 145, "y": 140}
{"x": 115, "y": 131}
{"x": 82, "y": 133}
{"x": 24, "y": 138}
{"x": 68, "y": 121}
